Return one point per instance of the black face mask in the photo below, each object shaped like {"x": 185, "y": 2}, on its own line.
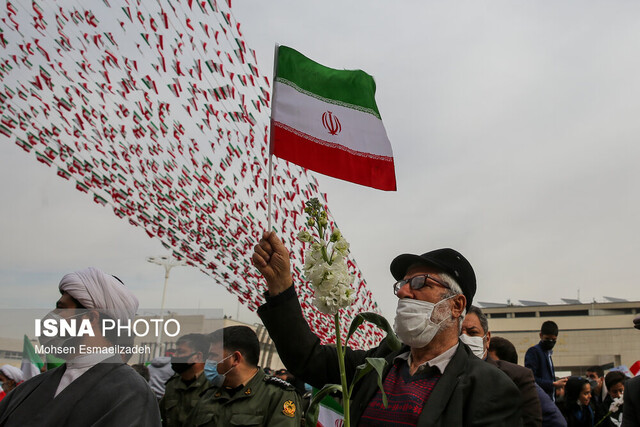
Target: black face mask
{"x": 180, "y": 364}
{"x": 547, "y": 344}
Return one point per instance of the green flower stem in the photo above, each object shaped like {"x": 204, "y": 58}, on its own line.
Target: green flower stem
{"x": 603, "y": 418}
{"x": 325, "y": 256}
{"x": 346, "y": 397}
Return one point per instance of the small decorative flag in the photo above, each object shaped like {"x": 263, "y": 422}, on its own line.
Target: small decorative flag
{"x": 31, "y": 362}
{"x": 327, "y": 120}
{"x": 330, "y": 412}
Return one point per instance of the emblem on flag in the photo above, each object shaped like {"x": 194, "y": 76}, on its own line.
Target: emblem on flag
{"x": 331, "y": 123}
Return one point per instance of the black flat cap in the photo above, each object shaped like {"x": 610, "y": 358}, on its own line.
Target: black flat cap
{"x": 447, "y": 260}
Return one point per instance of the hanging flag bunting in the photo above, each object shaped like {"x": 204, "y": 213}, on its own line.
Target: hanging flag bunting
{"x": 156, "y": 111}
{"x": 327, "y": 120}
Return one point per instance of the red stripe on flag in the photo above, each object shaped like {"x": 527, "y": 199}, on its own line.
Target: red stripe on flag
{"x": 333, "y": 160}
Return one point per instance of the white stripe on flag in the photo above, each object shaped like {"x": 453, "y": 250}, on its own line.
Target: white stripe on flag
{"x": 328, "y": 417}
{"x": 359, "y": 131}
{"x": 29, "y": 370}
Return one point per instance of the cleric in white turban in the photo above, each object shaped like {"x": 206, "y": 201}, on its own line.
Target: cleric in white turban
{"x": 92, "y": 288}
{"x": 10, "y": 376}
{"x": 89, "y": 389}
{"x": 12, "y": 373}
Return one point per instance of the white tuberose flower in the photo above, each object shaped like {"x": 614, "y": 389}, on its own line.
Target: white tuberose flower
{"x": 324, "y": 264}
{"x": 342, "y": 246}
{"x": 331, "y": 282}
{"x": 616, "y": 404}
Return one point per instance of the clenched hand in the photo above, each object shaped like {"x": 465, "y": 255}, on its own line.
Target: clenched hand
{"x": 272, "y": 259}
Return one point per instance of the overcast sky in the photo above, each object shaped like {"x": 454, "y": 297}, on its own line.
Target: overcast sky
{"x": 515, "y": 131}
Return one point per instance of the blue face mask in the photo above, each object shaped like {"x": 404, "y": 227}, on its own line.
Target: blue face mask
{"x": 211, "y": 372}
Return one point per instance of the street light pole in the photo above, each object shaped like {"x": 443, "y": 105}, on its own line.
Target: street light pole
{"x": 168, "y": 262}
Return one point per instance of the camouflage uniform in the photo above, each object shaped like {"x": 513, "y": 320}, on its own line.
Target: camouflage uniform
{"x": 264, "y": 401}
{"x": 179, "y": 399}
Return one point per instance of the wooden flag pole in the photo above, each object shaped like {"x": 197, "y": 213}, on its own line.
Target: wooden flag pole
{"x": 273, "y": 95}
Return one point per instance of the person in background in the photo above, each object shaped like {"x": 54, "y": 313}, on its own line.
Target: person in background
{"x": 287, "y": 376}
{"x": 159, "y": 372}
{"x": 241, "y": 393}
{"x": 538, "y": 359}
{"x": 615, "y": 382}
{"x": 502, "y": 349}
{"x": 575, "y": 408}
{"x": 184, "y": 388}
{"x": 475, "y": 334}
{"x": 142, "y": 370}
{"x": 631, "y": 411}
{"x": 10, "y": 377}
{"x": 595, "y": 375}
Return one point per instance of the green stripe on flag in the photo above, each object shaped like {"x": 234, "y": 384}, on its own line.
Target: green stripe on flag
{"x": 349, "y": 88}
{"x": 329, "y": 402}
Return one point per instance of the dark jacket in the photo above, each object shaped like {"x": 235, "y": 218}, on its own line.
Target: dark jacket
{"x": 523, "y": 379}
{"x": 577, "y": 416}
{"x": 469, "y": 393}
{"x": 537, "y": 360}
{"x": 631, "y": 409}
{"x": 551, "y": 415}
{"x": 108, "y": 394}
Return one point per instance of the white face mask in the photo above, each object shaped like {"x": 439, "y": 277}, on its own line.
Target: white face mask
{"x": 58, "y": 341}
{"x": 415, "y": 322}
{"x": 476, "y": 344}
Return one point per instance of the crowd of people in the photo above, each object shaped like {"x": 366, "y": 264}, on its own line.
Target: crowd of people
{"x": 449, "y": 371}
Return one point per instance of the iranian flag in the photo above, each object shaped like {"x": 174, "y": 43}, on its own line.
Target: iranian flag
{"x": 330, "y": 412}
{"x": 327, "y": 120}
{"x": 31, "y": 362}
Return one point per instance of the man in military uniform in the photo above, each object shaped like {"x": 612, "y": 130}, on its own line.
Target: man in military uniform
{"x": 241, "y": 393}
{"x": 183, "y": 390}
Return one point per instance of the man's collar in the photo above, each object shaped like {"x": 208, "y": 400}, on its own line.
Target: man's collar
{"x": 440, "y": 361}
{"x": 87, "y": 360}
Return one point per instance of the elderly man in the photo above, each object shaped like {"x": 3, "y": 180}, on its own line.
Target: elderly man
{"x": 89, "y": 389}
{"x": 432, "y": 380}
{"x": 476, "y": 334}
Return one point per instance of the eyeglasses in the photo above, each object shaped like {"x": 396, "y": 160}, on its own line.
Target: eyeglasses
{"x": 417, "y": 282}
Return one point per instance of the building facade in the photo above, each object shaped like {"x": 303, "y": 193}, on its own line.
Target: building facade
{"x": 590, "y": 334}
